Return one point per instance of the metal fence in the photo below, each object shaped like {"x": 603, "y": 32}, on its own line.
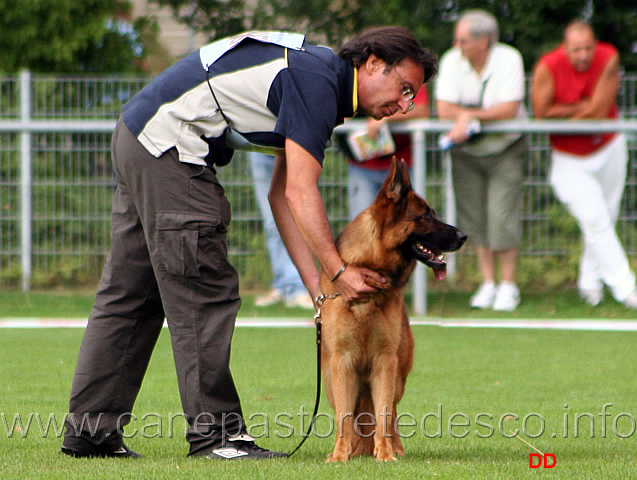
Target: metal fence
{"x": 55, "y": 203}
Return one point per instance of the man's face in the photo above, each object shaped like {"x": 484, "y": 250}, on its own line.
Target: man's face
{"x": 471, "y": 47}
{"x": 384, "y": 90}
{"x": 579, "y": 45}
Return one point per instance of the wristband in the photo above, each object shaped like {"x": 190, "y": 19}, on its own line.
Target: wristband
{"x": 338, "y": 274}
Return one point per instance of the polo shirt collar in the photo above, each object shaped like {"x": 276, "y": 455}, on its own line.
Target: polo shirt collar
{"x": 348, "y": 80}
{"x": 486, "y": 71}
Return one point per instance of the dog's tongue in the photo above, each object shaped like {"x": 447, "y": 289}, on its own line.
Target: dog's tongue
{"x": 440, "y": 273}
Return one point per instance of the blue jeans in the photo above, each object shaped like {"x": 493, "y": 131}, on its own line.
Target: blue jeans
{"x": 363, "y": 185}
{"x": 285, "y": 276}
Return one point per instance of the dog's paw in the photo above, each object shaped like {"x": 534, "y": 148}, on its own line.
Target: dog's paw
{"x": 397, "y": 446}
{"x": 384, "y": 454}
{"x": 336, "y": 457}
{"x": 386, "y": 458}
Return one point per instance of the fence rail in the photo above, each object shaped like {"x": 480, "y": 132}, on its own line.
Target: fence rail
{"x": 56, "y": 183}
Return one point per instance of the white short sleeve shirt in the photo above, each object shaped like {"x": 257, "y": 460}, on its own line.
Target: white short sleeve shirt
{"x": 502, "y": 79}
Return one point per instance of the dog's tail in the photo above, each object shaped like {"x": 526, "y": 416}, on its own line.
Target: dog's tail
{"x": 364, "y": 434}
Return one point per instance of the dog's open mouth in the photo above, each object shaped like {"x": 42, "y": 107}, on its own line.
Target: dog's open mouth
{"x": 434, "y": 260}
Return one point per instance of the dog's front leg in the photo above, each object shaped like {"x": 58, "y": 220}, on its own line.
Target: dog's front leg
{"x": 383, "y": 385}
{"x": 345, "y": 385}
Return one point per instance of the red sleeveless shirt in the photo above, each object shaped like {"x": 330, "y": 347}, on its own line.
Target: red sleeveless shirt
{"x": 571, "y": 86}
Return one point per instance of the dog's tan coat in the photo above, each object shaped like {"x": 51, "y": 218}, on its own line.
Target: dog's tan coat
{"x": 367, "y": 348}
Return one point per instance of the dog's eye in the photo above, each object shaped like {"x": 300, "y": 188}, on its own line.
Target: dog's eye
{"x": 429, "y": 214}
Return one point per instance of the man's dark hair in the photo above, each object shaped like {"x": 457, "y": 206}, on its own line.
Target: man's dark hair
{"x": 390, "y": 44}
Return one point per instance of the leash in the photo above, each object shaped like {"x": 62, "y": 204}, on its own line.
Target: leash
{"x": 317, "y": 321}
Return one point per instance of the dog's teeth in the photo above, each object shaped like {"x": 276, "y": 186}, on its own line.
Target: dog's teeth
{"x": 425, "y": 250}
{"x": 441, "y": 257}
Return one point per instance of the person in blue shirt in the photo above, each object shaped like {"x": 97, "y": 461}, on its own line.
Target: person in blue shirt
{"x": 259, "y": 90}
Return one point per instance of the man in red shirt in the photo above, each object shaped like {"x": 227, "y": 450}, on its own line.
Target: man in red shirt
{"x": 580, "y": 80}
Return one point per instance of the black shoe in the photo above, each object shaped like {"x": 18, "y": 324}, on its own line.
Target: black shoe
{"x": 121, "y": 452}
{"x": 243, "y": 446}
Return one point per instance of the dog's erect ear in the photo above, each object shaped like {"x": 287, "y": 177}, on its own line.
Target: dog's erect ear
{"x": 397, "y": 183}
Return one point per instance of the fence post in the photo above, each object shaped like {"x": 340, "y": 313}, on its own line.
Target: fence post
{"x": 25, "y": 180}
{"x": 420, "y": 186}
{"x": 450, "y": 213}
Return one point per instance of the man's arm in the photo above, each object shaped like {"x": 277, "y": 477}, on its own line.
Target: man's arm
{"x": 604, "y": 94}
{"x": 501, "y": 111}
{"x": 300, "y": 215}
{"x": 597, "y": 106}
{"x": 299, "y": 252}
{"x": 463, "y": 115}
{"x": 543, "y": 96}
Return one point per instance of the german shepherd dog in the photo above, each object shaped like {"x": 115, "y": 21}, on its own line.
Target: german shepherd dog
{"x": 367, "y": 347}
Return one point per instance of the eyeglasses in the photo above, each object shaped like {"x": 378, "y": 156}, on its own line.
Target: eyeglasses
{"x": 408, "y": 92}
{"x": 408, "y": 95}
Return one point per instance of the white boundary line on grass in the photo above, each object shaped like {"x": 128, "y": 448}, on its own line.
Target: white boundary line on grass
{"x": 600, "y": 325}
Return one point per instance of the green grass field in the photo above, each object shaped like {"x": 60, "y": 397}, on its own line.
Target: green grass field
{"x": 442, "y": 303}
{"x": 470, "y": 392}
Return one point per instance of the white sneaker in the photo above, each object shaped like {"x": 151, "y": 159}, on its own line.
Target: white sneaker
{"x": 593, "y": 296}
{"x": 302, "y": 300}
{"x": 507, "y": 298}
{"x": 631, "y": 301}
{"x": 272, "y": 297}
{"x": 483, "y": 298}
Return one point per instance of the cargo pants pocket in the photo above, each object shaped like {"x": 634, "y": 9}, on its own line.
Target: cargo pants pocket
{"x": 178, "y": 241}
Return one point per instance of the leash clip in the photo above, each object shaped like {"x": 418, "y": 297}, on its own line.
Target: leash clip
{"x": 325, "y": 296}
{"x": 319, "y": 300}
{"x": 319, "y": 303}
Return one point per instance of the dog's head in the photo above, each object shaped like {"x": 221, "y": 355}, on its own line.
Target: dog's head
{"x": 411, "y": 225}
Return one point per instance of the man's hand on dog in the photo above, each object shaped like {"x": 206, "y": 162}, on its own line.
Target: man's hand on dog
{"x": 357, "y": 284}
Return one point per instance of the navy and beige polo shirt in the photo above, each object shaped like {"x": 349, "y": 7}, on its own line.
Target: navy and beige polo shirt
{"x": 268, "y": 92}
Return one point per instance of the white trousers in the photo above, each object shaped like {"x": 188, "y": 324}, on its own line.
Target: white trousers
{"x": 591, "y": 188}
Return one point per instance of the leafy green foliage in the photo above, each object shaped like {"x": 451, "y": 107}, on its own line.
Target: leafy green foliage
{"x": 217, "y": 18}
{"x": 122, "y": 48}
{"x": 71, "y": 36}
{"x": 92, "y": 36}
{"x": 532, "y": 26}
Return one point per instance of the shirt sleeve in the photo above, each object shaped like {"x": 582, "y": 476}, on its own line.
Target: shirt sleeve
{"x": 306, "y": 105}
{"x": 509, "y": 84}
{"x": 447, "y": 86}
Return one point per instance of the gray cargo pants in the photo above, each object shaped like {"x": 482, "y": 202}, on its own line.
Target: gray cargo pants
{"x": 168, "y": 259}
